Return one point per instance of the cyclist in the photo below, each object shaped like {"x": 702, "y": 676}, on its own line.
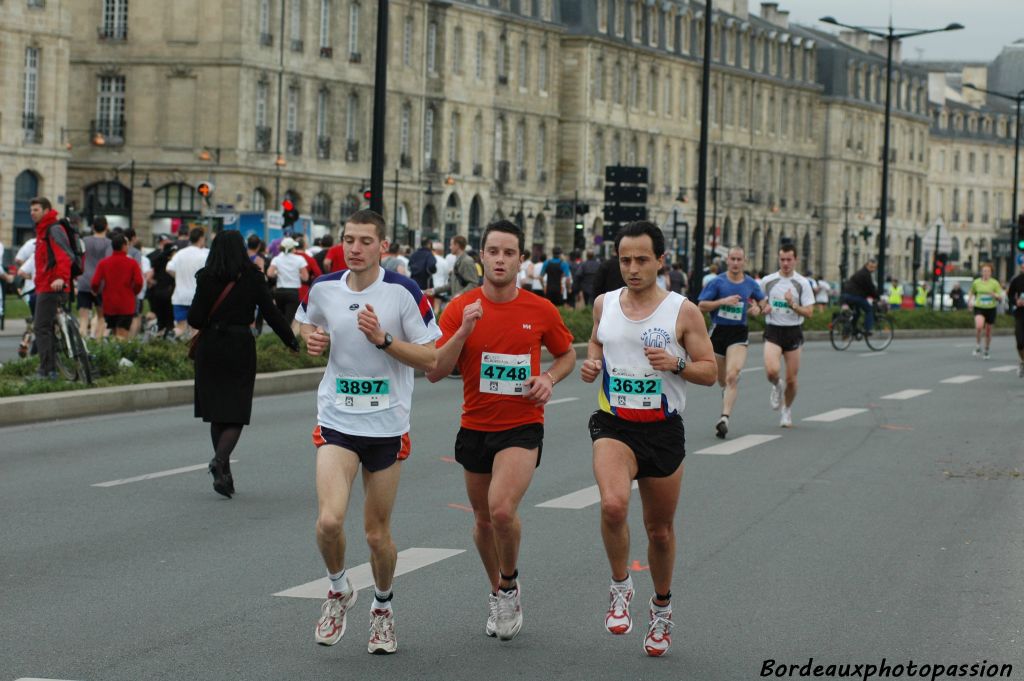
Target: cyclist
{"x": 859, "y": 292}
{"x": 983, "y": 298}
{"x": 53, "y": 281}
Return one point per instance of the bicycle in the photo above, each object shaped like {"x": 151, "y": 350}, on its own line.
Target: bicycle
{"x": 70, "y": 353}
{"x": 845, "y": 328}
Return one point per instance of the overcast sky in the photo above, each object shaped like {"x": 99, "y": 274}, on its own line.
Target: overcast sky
{"x": 989, "y": 24}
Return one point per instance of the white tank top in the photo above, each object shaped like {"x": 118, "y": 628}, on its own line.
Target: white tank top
{"x": 630, "y": 388}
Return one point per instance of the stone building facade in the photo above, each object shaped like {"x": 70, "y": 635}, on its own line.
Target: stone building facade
{"x": 34, "y": 134}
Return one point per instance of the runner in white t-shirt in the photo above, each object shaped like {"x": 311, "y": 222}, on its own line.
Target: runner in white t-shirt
{"x": 183, "y": 267}
{"x": 790, "y": 299}
{"x": 379, "y": 328}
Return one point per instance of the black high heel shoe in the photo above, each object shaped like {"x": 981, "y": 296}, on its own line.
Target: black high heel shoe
{"x": 222, "y": 482}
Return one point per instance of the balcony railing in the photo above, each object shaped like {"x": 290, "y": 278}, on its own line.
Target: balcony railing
{"x": 542, "y": 176}
{"x": 112, "y": 130}
{"x": 33, "y": 127}
{"x": 405, "y": 160}
{"x": 266, "y": 39}
{"x": 263, "y": 134}
{"x": 521, "y": 174}
{"x": 294, "y": 142}
{"x": 502, "y": 171}
{"x": 430, "y": 165}
{"x": 355, "y": 58}
{"x": 454, "y": 167}
{"x": 478, "y": 169}
{"x": 326, "y": 51}
{"x": 297, "y": 46}
{"x": 352, "y": 151}
{"x": 323, "y": 147}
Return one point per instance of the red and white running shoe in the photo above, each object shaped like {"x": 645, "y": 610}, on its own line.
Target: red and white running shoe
{"x": 331, "y": 626}
{"x": 382, "y": 632}
{"x": 618, "y": 620}
{"x": 659, "y": 634}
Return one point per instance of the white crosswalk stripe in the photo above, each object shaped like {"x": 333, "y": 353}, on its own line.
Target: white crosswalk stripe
{"x": 906, "y": 394}
{"x": 965, "y": 378}
{"x": 1004, "y": 369}
{"x": 835, "y": 415}
{"x": 361, "y": 576}
{"x": 587, "y": 496}
{"x": 738, "y": 445}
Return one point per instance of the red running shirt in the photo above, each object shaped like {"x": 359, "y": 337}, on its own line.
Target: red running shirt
{"x": 514, "y": 329}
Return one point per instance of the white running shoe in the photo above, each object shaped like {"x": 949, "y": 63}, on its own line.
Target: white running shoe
{"x": 618, "y": 620}
{"x": 722, "y": 428}
{"x": 508, "y": 613}
{"x": 382, "y": 632}
{"x": 977, "y": 352}
{"x": 775, "y": 399}
{"x": 659, "y": 634}
{"x": 786, "y": 421}
{"x": 986, "y": 355}
{"x": 492, "y": 614}
{"x": 331, "y": 626}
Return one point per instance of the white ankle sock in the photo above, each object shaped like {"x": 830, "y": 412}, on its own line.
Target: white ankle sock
{"x": 379, "y": 604}
{"x": 339, "y": 582}
{"x": 628, "y": 581}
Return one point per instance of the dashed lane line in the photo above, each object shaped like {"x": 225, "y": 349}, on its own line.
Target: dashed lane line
{"x": 361, "y": 576}
{"x": 835, "y": 415}
{"x": 963, "y": 378}
{"x": 906, "y": 394}
{"x": 577, "y": 500}
{"x": 561, "y": 400}
{"x": 1003, "y": 369}
{"x": 153, "y": 476}
{"x": 738, "y": 445}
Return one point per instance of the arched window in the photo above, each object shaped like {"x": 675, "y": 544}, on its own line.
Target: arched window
{"x": 177, "y": 199}
{"x": 259, "y": 199}
{"x": 321, "y": 208}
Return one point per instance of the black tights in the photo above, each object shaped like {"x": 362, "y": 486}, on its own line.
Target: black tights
{"x": 225, "y": 437}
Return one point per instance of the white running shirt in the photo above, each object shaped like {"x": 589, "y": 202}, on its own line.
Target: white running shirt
{"x": 775, "y": 287}
{"x": 289, "y": 270}
{"x": 184, "y": 266}
{"x": 365, "y": 391}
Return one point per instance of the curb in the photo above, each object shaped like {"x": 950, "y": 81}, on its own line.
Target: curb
{"x": 121, "y": 399}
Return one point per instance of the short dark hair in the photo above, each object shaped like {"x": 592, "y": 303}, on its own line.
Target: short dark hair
{"x": 788, "y": 247}
{"x": 556, "y": 252}
{"x": 394, "y": 247}
{"x": 118, "y": 240}
{"x": 99, "y": 224}
{"x": 640, "y": 228}
{"x": 41, "y": 201}
{"x": 460, "y": 241}
{"x": 253, "y": 243}
{"x": 196, "y": 234}
{"x": 326, "y": 241}
{"x": 369, "y": 217}
{"x": 506, "y": 227}
{"x": 426, "y": 242}
{"x": 130, "y": 233}
{"x": 300, "y": 241}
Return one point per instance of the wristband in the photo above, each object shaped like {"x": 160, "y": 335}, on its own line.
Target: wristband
{"x": 548, "y": 374}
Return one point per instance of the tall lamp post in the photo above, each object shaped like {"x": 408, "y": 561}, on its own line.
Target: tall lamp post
{"x": 890, "y": 36}
{"x": 1017, "y": 99}
{"x": 702, "y": 165}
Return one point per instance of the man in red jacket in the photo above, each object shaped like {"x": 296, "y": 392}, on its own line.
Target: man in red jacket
{"x": 120, "y": 279}
{"x": 53, "y": 280}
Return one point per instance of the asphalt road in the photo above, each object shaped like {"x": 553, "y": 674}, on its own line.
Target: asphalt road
{"x": 892, "y": 532}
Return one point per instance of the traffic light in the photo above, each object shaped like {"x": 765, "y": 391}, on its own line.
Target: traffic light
{"x": 582, "y": 209}
{"x": 367, "y": 195}
{"x": 1020, "y": 232}
{"x": 940, "y": 264}
{"x": 579, "y": 241}
{"x": 205, "y": 189}
{"x": 289, "y": 214}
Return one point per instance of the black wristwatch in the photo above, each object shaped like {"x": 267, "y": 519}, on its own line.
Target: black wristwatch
{"x": 680, "y": 365}
{"x": 388, "y": 340}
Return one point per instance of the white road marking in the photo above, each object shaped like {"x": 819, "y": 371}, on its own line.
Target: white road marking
{"x": 561, "y": 400}
{"x": 835, "y": 415}
{"x": 25, "y": 678}
{"x": 1003, "y": 369}
{"x": 577, "y": 500}
{"x": 905, "y": 394}
{"x": 152, "y": 476}
{"x": 739, "y": 444}
{"x": 361, "y": 576}
{"x": 965, "y": 345}
{"x": 873, "y": 354}
{"x": 964, "y": 378}
{"x": 743, "y": 371}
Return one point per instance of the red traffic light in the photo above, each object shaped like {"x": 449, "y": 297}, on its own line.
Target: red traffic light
{"x": 367, "y": 194}
{"x": 204, "y": 189}
{"x": 287, "y": 205}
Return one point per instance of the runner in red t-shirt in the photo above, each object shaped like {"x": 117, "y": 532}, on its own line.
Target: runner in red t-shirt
{"x": 494, "y": 333}
{"x": 334, "y": 261}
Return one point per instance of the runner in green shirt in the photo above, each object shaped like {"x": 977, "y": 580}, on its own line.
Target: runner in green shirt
{"x": 984, "y": 296}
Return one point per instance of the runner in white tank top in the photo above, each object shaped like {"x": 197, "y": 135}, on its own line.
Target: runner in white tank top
{"x": 646, "y": 345}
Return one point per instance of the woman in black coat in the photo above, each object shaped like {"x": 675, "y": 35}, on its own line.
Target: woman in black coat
{"x": 226, "y": 351}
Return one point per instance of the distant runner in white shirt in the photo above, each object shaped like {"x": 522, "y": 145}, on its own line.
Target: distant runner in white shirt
{"x": 379, "y": 328}
{"x": 790, "y": 299}
{"x": 183, "y": 267}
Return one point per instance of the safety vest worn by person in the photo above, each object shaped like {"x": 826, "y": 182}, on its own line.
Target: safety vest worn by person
{"x": 921, "y": 297}
{"x": 896, "y": 295}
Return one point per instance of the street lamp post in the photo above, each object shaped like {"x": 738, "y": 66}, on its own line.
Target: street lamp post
{"x": 890, "y": 36}
{"x": 379, "y": 113}
{"x": 1017, "y": 99}
{"x": 702, "y": 166}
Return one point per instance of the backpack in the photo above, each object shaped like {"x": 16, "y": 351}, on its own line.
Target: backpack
{"x": 553, "y": 277}
{"x": 77, "y": 252}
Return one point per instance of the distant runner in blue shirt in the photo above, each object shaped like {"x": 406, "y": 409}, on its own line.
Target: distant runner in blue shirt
{"x": 729, "y": 298}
